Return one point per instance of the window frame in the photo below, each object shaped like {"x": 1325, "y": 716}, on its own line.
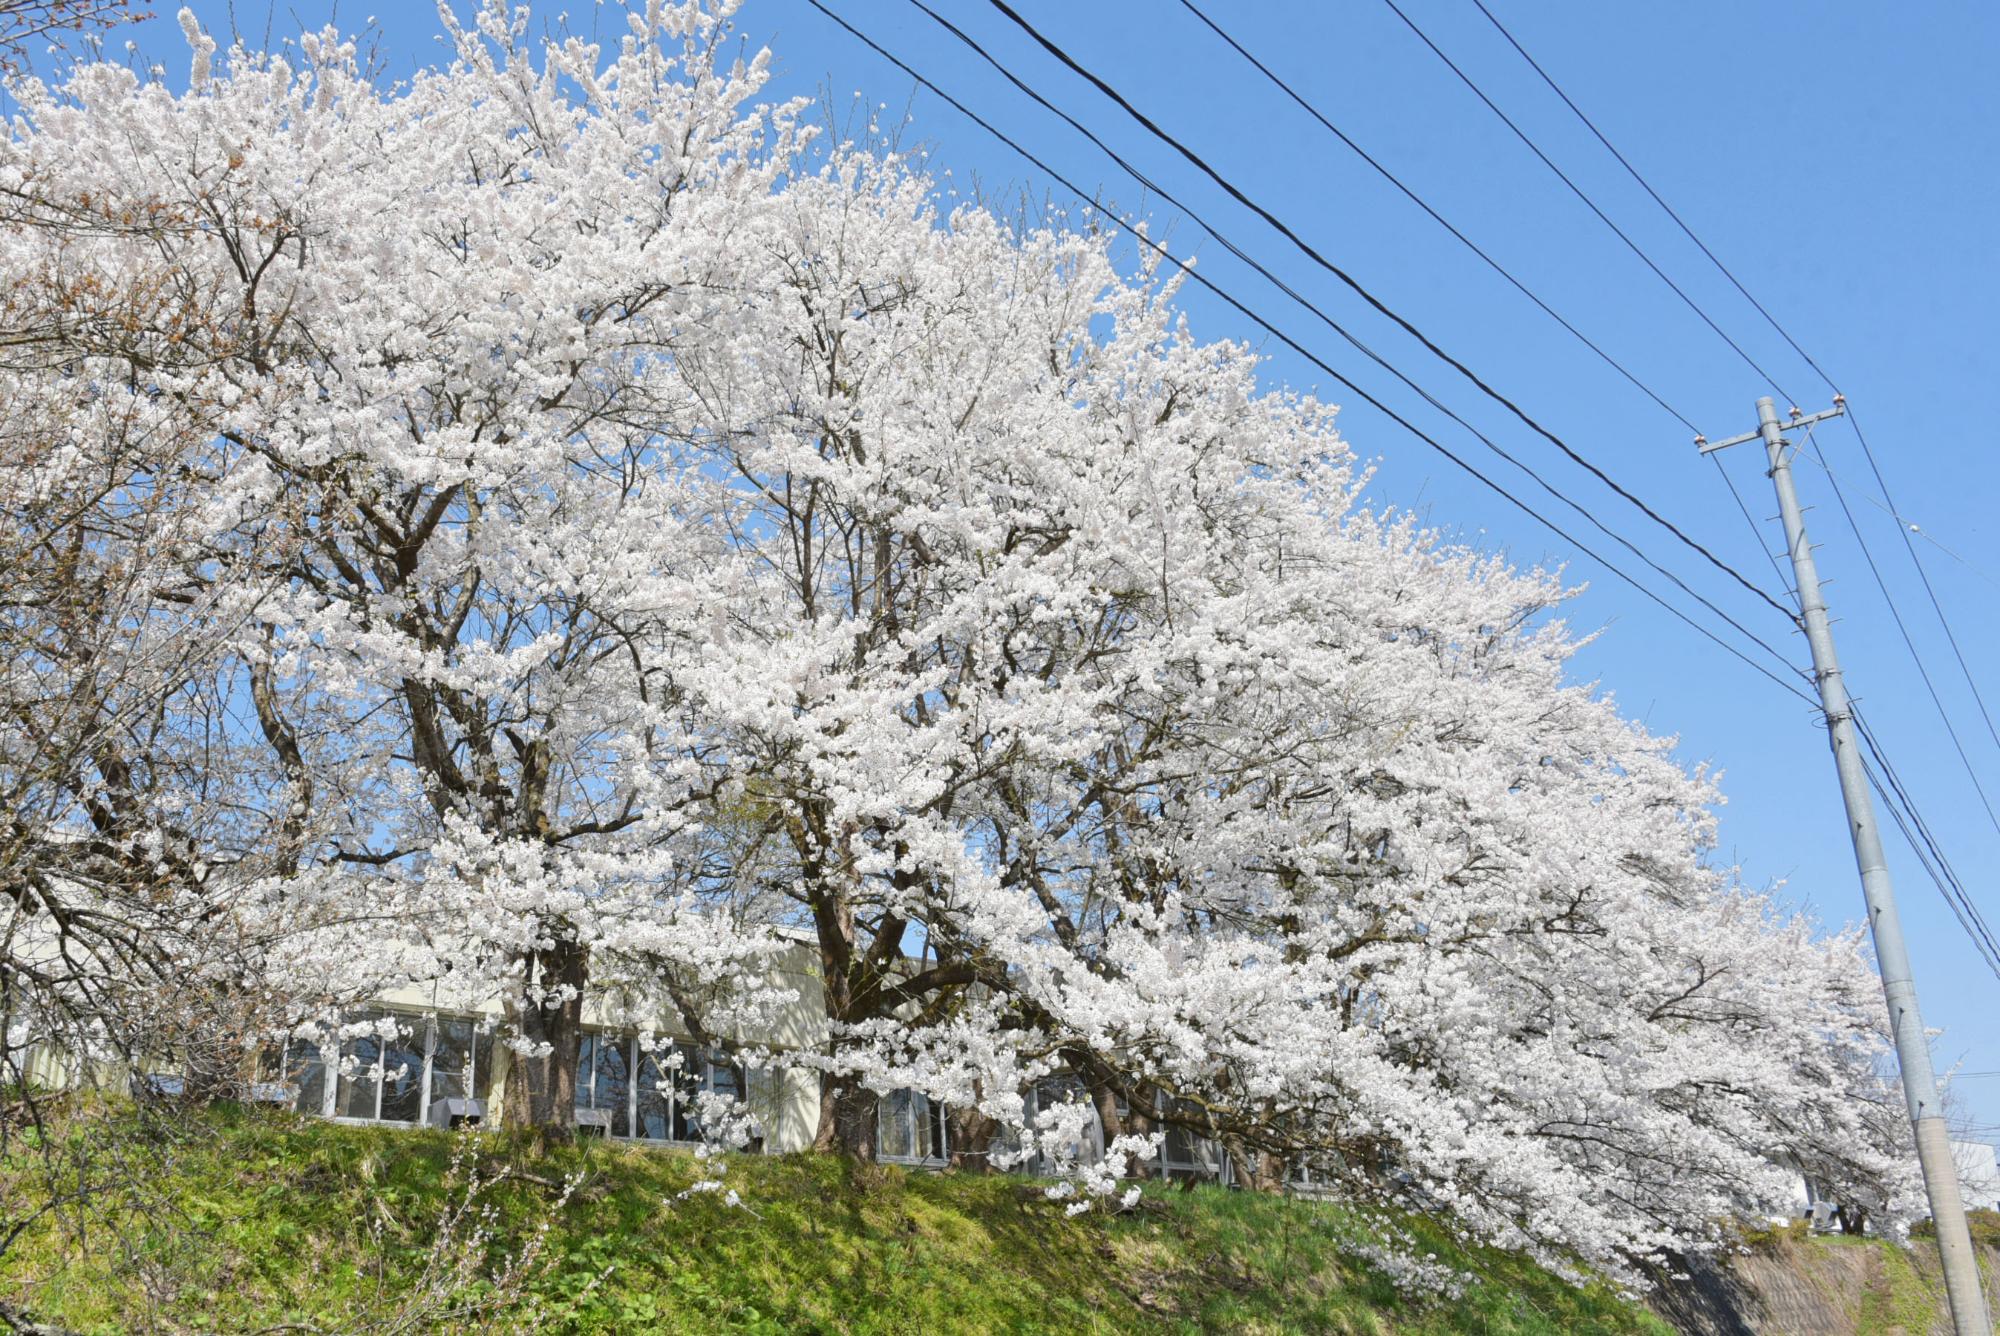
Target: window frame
{"x": 425, "y": 1027}
{"x": 933, "y": 1112}
{"x": 671, "y": 1088}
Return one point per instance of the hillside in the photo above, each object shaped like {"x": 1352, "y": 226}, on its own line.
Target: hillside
{"x": 1790, "y": 1283}
{"x": 244, "y": 1221}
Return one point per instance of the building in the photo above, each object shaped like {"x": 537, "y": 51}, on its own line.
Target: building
{"x": 423, "y": 1063}
{"x": 638, "y": 1071}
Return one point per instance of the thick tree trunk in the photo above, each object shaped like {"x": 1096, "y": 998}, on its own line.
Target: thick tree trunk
{"x": 1258, "y": 1171}
{"x": 848, "y": 1118}
{"x": 541, "y": 1090}
{"x": 1113, "y": 1123}
{"x": 847, "y": 1110}
{"x": 1108, "y": 1117}
{"x": 971, "y": 1134}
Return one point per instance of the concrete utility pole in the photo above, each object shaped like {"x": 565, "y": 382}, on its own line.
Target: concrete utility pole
{"x": 1913, "y": 1055}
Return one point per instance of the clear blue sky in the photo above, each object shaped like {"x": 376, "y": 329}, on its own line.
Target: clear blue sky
{"x": 1842, "y": 158}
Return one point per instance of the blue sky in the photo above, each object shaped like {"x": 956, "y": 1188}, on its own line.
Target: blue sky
{"x": 1839, "y": 157}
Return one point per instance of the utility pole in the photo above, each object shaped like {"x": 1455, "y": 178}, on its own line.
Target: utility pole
{"x": 1913, "y": 1055}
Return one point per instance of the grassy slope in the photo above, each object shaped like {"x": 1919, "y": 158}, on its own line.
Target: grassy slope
{"x": 277, "y": 1220}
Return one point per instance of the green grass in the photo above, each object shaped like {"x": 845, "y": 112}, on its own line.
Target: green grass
{"x": 254, "y": 1220}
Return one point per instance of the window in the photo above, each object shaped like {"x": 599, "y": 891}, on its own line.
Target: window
{"x": 604, "y": 1080}
{"x": 394, "y": 1070}
{"x": 653, "y": 1102}
{"x": 709, "y": 1072}
{"x": 645, "y": 1095}
{"x": 911, "y": 1127}
{"x": 461, "y": 1059}
{"x": 1306, "y": 1178}
{"x": 1186, "y": 1153}
{"x": 1066, "y": 1089}
{"x": 291, "y": 1073}
{"x": 360, "y": 1080}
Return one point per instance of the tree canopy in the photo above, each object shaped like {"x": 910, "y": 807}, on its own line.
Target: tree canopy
{"x": 561, "y": 520}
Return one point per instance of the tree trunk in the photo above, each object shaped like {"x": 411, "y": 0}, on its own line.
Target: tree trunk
{"x": 541, "y": 1090}
{"x": 1108, "y": 1118}
{"x": 1257, "y": 1171}
{"x": 1114, "y": 1124}
{"x": 848, "y": 1115}
{"x": 971, "y": 1135}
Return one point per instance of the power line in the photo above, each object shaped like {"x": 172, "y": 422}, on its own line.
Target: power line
{"x": 1346, "y": 278}
{"x": 1917, "y": 833}
{"x": 1756, "y": 534}
{"x": 1353, "y": 340}
{"x": 1436, "y": 217}
{"x": 1589, "y": 203}
{"x": 1944, "y": 880}
{"x": 1648, "y": 188}
{"x": 1958, "y": 745}
{"x": 1954, "y": 896}
{"x": 1983, "y": 938}
{"x": 1922, "y": 575}
{"x": 1922, "y": 827}
{"x": 1261, "y": 322}
{"x": 1860, "y": 437}
{"x": 1921, "y": 532}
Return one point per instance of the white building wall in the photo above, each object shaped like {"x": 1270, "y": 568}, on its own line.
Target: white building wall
{"x": 1978, "y": 1174}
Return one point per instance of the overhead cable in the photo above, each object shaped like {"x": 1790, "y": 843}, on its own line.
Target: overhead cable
{"x": 1909, "y": 819}
{"x": 1436, "y": 217}
{"x": 1353, "y": 284}
{"x": 1916, "y": 657}
{"x": 1589, "y": 203}
{"x": 1861, "y": 438}
{"x": 1277, "y": 282}
{"x": 1646, "y": 185}
{"x": 1243, "y": 309}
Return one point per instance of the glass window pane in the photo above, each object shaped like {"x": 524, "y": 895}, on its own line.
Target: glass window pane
{"x": 1068, "y": 1089}
{"x": 934, "y": 1143}
{"x": 613, "y": 1082}
{"x": 306, "y": 1074}
{"x": 894, "y": 1129}
{"x": 451, "y": 1059}
{"x": 482, "y": 1061}
{"x": 655, "y": 1101}
{"x": 722, "y": 1076}
{"x": 687, "y": 1127}
{"x": 586, "y": 1063}
{"x": 403, "y": 1071}
{"x": 361, "y": 1073}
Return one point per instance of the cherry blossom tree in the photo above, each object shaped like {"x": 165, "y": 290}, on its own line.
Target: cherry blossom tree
{"x": 621, "y": 527}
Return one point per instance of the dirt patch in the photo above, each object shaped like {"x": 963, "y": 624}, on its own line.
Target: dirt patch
{"x": 1813, "y": 1287}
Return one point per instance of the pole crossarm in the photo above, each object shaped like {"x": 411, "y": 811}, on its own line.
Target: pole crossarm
{"x": 1796, "y": 420}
